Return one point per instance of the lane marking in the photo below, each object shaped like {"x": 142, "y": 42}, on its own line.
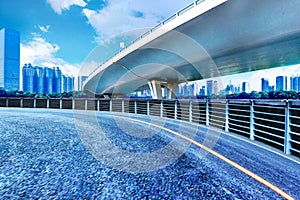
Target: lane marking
{"x": 237, "y": 166}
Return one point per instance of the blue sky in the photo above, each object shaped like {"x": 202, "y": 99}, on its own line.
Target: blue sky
{"x": 64, "y": 32}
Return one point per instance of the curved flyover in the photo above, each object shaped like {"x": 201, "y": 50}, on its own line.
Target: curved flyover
{"x": 206, "y": 39}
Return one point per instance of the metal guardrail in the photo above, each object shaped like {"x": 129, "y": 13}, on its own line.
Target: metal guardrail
{"x": 275, "y": 123}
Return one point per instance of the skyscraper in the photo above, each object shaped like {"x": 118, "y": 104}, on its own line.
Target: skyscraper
{"x": 264, "y": 85}
{"x": 70, "y": 83}
{"x": 298, "y": 83}
{"x": 281, "y": 83}
{"x": 81, "y": 80}
{"x": 64, "y": 83}
{"x": 39, "y": 80}
{"x": 295, "y": 83}
{"x": 48, "y": 80}
{"x": 215, "y": 87}
{"x": 28, "y": 78}
{"x": 246, "y": 87}
{"x": 9, "y": 59}
{"x": 186, "y": 90}
{"x": 57, "y": 79}
{"x": 45, "y": 80}
{"x": 209, "y": 87}
{"x": 202, "y": 91}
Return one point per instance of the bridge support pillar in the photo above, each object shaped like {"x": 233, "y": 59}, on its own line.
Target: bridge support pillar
{"x": 155, "y": 87}
{"x": 171, "y": 90}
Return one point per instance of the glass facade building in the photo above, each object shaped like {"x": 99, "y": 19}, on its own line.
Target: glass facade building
{"x": 209, "y": 87}
{"x": 9, "y": 59}
{"x": 246, "y": 87}
{"x": 81, "y": 80}
{"x": 28, "y": 78}
{"x": 45, "y": 80}
{"x": 264, "y": 85}
{"x": 281, "y": 83}
{"x": 295, "y": 83}
{"x": 57, "y": 81}
{"x": 70, "y": 83}
{"x": 39, "y": 80}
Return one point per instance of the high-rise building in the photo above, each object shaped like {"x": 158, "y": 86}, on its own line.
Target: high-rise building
{"x": 70, "y": 83}
{"x": 28, "y": 78}
{"x": 39, "y": 80}
{"x": 246, "y": 87}
{"x": 215, "y": 87}
{"x": 281, "y": 83}
{"x": 202, "y": 91}
{"x": 48, "y": 80}
{"x": 64, "y": 83}
{"x": 9, "y": 59}
{"x": 264, "y": 85}
{"x": 298, "y": 83}
{"x": 230, "y": 89}
{"x": 209, "y": 87}
{"x": 81, "y": 80}
{"x": 57, "y": 79}
{"x": 295, "y": 83}
{"x": 186, "y": 90}
{"x": 196, "y": 89}
{"x": 191, "y": 89}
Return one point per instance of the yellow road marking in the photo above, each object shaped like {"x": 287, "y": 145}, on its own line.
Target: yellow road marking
{"x": 246, "y": 171}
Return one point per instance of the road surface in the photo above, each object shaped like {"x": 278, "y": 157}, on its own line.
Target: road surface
{"x": 44, "y": 154}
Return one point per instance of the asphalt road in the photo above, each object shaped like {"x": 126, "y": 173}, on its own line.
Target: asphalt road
{"x": 61, "y": 154}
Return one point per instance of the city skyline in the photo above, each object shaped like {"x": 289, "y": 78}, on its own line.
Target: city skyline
{"x": 48, "y": 39}
{"x": 210, "y": 86}
{"x": 45, "y": 80}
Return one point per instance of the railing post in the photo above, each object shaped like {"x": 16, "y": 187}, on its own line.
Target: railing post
{"x": 135, "y": 106}
{"x": 287, "y": 136}
{"x": 85, "y": 104}
{"x": 123, "y": 109}
{"x": 48, "y": 103}
{"x": 161, "y": 108}
{"x": 226, "y": 116}
{"x": 207, "y": 112}
{"x": 73, "y": 104}
{"x": 191, "y": 111}
{"x": 60, "y": 103}
{"x": 21, "y": 103}
{"x": 98, "y": 105}
{"x": 110, "y": 105}
{"x": 175, "y": 109}
{"x": 148, "y": 107}
{"x": 251, "y": 120}
{"x": 6, "y": 102}
{"x": 34, "y": 103}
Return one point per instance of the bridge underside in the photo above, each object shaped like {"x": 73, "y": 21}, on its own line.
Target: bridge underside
{"x": 235, "y": 37}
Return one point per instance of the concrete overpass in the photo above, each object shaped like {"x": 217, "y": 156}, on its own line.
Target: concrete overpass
{"x": 206, "y": 39}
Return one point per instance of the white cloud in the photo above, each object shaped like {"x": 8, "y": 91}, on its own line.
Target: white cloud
{"x": 39, "y": 52}
{"x": 44, "y": 29}
{"x": 126, "y": 15}
{"x": 59, "y": 5}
